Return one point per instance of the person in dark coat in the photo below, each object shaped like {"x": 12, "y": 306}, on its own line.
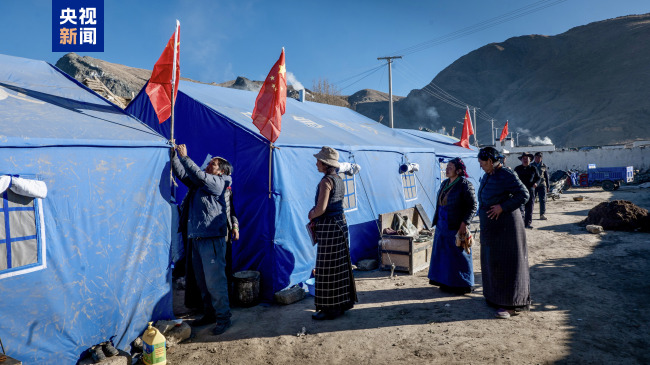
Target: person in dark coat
{"x": 504, "y": 254}
{"x": 543, "y": 186}
{"x": 203, "y": 221}
{"x": 451, "y": 267}
{"x": 530, "y": 178}
{"x": 225, "y": 168}
{"x": 193, "y": 298}
{"x": 335, "y": 289}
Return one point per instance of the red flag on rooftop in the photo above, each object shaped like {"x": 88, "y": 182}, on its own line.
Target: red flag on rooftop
{"x": 165, "y": 72}
{"x": 271, "y": 102}
{"x": 467, "y": 131}
{"x": 504, "y": 132}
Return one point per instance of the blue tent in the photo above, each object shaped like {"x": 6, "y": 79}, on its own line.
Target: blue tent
{"x": 94, "y": 263}
{"x": 446, "y": 150}
{"x": 216, "y": 121}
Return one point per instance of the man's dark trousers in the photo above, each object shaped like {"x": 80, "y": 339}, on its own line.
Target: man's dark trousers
{"x": 209, "y": 260}
{"x": 527, "y": 208}
{"x": 540, "y": 191}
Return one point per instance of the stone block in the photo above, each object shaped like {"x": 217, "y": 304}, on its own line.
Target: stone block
{"x": 367, "y": 265}
{"x": 291, "y": 295}
{"x": 595, "y": 229}
{"x": 178, "y": 334}
{"x": 164, "y": 326}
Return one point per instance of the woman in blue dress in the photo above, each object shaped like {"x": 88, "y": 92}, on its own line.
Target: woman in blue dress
{"x": 451, "y": 267}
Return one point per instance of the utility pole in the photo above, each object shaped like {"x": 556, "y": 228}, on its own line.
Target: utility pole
{"x": 493, "y": 134}
{"x": 390, "y": 87}
{"x": 475, "y": 140}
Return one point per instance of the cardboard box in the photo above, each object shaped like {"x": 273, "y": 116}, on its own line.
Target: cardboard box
{"x": 402, "y": 251}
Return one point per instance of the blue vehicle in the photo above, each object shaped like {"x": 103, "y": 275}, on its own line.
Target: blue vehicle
{"x": 610, "y": 178}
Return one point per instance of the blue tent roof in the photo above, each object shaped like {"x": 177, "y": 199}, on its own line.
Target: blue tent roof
{"x": 444, "y": 144}
{"x": 306, "y": 123}
{"x": 42, "y": 106}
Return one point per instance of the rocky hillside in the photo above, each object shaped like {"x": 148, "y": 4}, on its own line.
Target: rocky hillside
{"x": 122, "y": 80}
{"x": 587, "y": 86}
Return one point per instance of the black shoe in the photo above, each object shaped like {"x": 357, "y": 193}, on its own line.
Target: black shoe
{"x": 529, "y": 227}
{"x": 456, "y": 290}
{"x": 204, "y": 321}
{"x": 221, "y": 327}
{"x": 109, "y": 349}
{"x": 326, "y": 315}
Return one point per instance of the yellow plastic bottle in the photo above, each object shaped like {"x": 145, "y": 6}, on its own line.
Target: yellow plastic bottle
{"x": 155, "y": 352}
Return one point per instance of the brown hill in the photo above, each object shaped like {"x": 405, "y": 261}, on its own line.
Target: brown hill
{"x": 587, "y": 86}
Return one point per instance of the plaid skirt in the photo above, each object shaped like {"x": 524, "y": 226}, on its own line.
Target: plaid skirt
{"x": 335, "y": 289}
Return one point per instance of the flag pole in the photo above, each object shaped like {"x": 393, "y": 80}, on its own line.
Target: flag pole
{"x": 171, "y": 171}
{"x": 178, "y": 24}
{"x": 270, "y": 159}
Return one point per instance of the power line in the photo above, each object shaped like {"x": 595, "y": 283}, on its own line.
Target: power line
{"x": 374, "y": 68}
{"x": 373, "y": 71}
{"x": 489, "y": 23}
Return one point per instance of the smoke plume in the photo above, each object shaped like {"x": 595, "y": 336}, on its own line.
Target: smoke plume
{"x": 294, "y": 81}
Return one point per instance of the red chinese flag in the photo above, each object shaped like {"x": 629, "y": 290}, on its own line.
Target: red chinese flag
{"x": 504, "y": 132}
{"x": 271, "y": 102}
{"x": 467, "y": 131}
{"x": 159, "y": 87}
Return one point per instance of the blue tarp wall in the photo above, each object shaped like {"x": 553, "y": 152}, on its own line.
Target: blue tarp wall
{"x": 216, "y": 121}
{"x": 105, "y": 231}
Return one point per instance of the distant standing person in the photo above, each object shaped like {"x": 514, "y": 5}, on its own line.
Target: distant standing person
{"x": 543, "y": 186}
{"x": 451, "y": 267}
{"x": 335, "y": 289}
{"x": 530, "y": 177}
{"x": 504, "y": 254}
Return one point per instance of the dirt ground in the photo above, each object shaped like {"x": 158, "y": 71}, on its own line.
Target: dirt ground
{"x": 590, "y": 305}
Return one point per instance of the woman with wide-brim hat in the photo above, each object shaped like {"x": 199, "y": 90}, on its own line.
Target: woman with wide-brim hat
{"x": 335, "y": 289}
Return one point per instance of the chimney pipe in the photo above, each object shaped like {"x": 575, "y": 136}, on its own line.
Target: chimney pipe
{"x": 301, "y": 94}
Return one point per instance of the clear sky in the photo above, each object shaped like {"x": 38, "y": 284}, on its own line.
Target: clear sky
{"x": 331, "y": 39}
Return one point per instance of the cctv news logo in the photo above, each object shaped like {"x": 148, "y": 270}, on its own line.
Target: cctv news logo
{"x": 77, "y": 25}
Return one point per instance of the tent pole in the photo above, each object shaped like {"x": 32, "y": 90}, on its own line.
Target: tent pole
{"x": 270, "y": 159}
{"x": 172, "y": 183}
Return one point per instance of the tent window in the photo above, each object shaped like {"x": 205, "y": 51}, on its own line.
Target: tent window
{"x": 410, "y": 189}
{"x": 350, "y": 198}
{"x": 20, "y": 234}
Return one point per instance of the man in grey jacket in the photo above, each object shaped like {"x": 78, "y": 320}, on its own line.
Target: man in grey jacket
{"x": 203, "y": 217}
